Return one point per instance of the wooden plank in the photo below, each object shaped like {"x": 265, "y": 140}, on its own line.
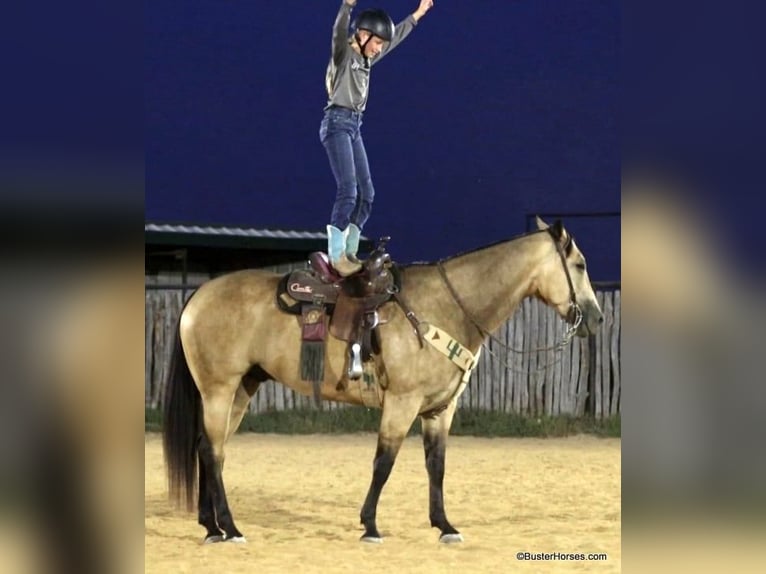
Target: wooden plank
{"x": 300, "y": 402}
{"x": 162, "y": 338}
{"x": 173, "y": 307}
{"x": 507, "y": 381}
{"x": 606, "y": 360}
{"x": 161, "y": 341}
{"x": 507, "y": 371}
{"x": 517, "y": 362}
{"x": 165, "y": 339}
{"x": 504, "y": 369}
{"x": 274, "y": 388}
{"x": 289, "y": 398}
{"x": 530, "y": 361}
{"x": 489, "y": 379}
{"x": 615, "y": 355}
{"x": 565, "y": 367}
{"x": 252, "y": 404}
{"x": 486, "y": 389}
{"x": 255, "y": 402}
{"x": 527, "y": 392}
{"x": 497, "y": 372}
{"x": 583, "y": 376}
{"x": 269, "y": 395}
{"x": 480, "y": 381}
{"x": 148, "y": 348}
{"x": 577, "y": 368}
{"x": 158, "y": 341}
{"x": 550, "y": 319}
{"x": 470, "y": 391}
{"x": 279, "y": 397}
{"x": 178, "y": 306}
{"x": 269, "y": 406}
{"x": 558, "y": 334}
{"x": 594, "y": 382}
{"x": 575, "y": 375}
{"x": 595, "y": 349}
{"x": 479, "y": 384}
{"x": 538, "y": 358}
{"x": 478, "y": 389}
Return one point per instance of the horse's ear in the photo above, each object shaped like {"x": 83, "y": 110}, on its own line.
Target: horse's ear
{"x": 541, "y": 225}
{"x": 557, "y": 230}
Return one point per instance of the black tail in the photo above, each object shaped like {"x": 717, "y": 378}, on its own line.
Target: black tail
{"x": 181, "y": 428}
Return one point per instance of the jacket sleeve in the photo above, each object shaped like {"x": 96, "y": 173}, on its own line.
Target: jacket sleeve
{"x": 340, "y": 33}
{"x": 401, "y": 31}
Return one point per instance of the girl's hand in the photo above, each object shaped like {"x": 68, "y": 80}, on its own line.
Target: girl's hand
{"x": 425, "y": 6}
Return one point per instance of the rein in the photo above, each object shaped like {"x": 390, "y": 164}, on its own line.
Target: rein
{"x": 574, "y": 315}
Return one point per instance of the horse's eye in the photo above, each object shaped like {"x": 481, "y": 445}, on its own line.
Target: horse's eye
{"x": 580, "y": 266}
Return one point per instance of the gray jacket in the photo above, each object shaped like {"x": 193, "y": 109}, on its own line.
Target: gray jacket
{"x": 348, "y": 74}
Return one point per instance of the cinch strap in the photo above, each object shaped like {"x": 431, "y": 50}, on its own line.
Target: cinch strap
{"x": 454, "y": 351}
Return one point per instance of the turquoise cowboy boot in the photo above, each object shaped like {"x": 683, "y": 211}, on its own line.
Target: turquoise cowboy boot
{"x": 351, "y": 236}
{"x": 336, "y": 250}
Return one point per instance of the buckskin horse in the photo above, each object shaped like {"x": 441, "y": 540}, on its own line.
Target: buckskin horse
{"x": 232, "y": 336}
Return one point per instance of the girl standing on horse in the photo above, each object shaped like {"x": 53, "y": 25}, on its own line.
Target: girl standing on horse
{"x": 347, "y": 82}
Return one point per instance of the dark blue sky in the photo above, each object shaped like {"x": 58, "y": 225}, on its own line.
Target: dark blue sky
{"x": 487, "y": 113}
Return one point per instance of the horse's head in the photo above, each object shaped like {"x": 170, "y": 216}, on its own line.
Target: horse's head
{"x": 563, "y": 282}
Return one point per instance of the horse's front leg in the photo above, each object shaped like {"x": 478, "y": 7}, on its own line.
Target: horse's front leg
{"x": 396, "y": 420}
{"x": 435, "y": 431}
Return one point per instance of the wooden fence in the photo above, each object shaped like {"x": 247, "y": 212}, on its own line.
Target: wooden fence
{"x": 583, "y": 378}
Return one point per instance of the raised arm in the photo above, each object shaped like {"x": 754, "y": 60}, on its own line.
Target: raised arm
{"x": 340, "y": 30}
{"x": 403, "y": 28}
{"x": 425, "y": 6}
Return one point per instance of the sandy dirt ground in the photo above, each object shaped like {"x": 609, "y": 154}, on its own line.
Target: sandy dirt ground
{"x": 297, "y": 500}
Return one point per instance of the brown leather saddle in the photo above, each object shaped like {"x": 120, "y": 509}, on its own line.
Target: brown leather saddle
{"x": 348, "y": 304}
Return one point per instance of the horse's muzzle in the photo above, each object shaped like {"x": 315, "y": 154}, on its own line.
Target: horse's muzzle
{"x": 591, "y": 320}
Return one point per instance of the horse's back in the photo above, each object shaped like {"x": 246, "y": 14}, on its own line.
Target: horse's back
{"x": 230, "y": 300}
{"x": 235, "y": 287}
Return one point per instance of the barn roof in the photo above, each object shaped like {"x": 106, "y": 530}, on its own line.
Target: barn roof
{"x": 172, "y": 234}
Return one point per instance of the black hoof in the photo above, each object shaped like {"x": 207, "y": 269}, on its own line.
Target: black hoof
{"x": 213, "y": 538}
{"x": 371, "y": 535}
{"x": 233, "y": 535}
{"x": 213, "y": 534}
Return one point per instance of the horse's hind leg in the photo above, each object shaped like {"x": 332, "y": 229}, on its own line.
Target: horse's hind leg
{"x": 435, "y": 431}
{"x": 217, "y": 408}
{"x": 206, "y": 516}
{"x": 396, "y": 420}
{"x": 207, "y": 513}
{"x": 245, "y": 392}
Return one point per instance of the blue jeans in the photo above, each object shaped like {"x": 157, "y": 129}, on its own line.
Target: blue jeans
{"x": 342, "y": 139}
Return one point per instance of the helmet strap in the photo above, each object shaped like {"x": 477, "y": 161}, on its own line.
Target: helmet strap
{"x": 362, "y": 46}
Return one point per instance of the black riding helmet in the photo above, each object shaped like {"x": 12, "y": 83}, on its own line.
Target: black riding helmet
{"x": 375, "y": 21}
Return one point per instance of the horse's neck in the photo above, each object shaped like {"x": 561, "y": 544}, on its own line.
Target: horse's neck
{"x": 491, "y": 282}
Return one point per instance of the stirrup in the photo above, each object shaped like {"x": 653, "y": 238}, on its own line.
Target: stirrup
{"x": 355, "y": 362}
